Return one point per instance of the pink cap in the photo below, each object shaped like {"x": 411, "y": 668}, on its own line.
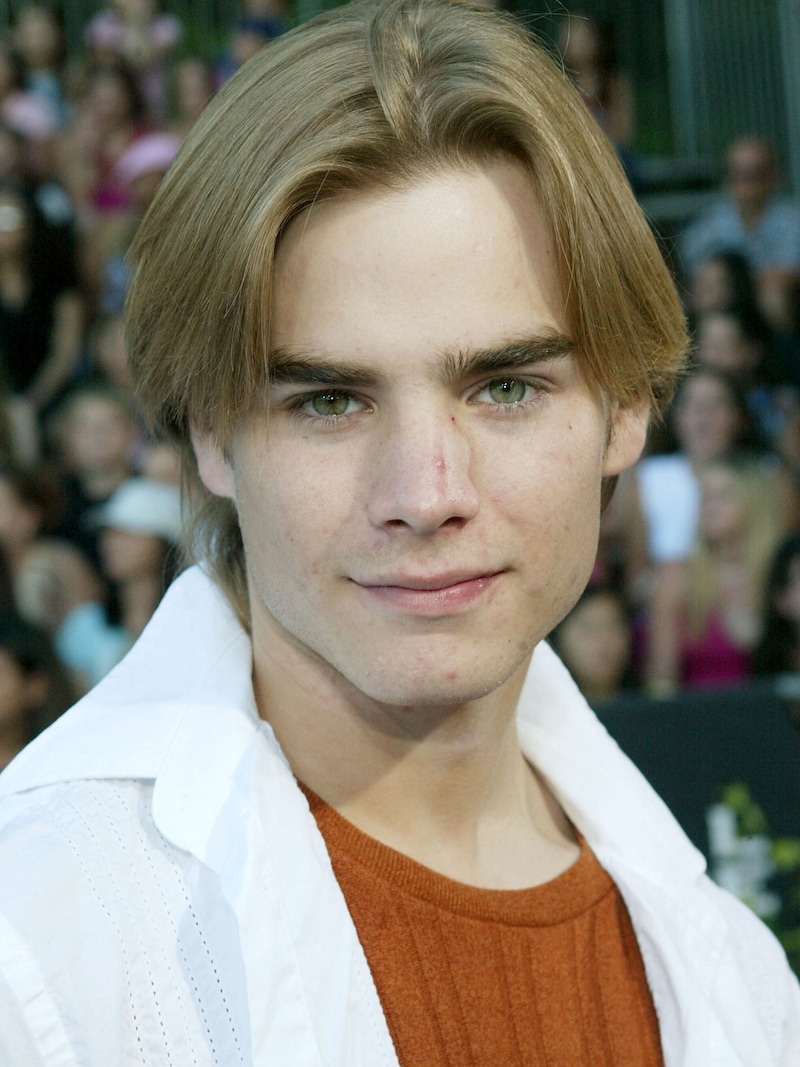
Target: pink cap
{"x": 152, "y": 152}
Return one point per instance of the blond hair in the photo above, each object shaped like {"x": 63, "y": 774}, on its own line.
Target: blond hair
{"x": 762, "y": 530}
{"x": 377, "y": 95}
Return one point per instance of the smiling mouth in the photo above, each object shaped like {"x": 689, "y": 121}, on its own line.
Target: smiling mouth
{"x": 442, "y": 595}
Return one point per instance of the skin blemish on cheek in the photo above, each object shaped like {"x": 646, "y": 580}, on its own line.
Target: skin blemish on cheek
{"x": 451, "y": 676}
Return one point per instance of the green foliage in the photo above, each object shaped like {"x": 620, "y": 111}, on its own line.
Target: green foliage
{"x": 785, "y": 854}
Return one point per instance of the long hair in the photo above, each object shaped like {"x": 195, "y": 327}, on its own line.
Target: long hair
{"x": 762, "y": 531}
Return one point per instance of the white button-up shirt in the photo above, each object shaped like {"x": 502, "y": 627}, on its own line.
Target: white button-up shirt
{"x": 166, "y": 897}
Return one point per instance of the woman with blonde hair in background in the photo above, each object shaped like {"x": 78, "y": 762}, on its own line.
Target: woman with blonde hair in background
{"x": 705, "y": 611}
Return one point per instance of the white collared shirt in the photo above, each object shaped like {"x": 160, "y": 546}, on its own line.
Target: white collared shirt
{"x": 166, "y": 897}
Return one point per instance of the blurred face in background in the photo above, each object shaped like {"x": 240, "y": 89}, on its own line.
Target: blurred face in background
{"x": 97, "y": 435}
{"x": 722, "y": 344}
{"x": 752, "y": 174}
{"x": 712, "y": 289}
{"x": 595, "y": 642}
{"x": 109, "y": 99}
{"x": 706, "y": 418}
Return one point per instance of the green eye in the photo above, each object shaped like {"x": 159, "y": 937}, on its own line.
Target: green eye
{"x": 328, "y": 405}
{"x": 507, "y": 391}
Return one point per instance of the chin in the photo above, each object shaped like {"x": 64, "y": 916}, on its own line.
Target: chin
{"x": 437, "y": 687}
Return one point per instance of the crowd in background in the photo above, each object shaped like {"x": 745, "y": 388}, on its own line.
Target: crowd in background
{"x": 697, "y": 580}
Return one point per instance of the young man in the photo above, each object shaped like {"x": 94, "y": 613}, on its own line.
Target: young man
{"x": 341, "y": 804}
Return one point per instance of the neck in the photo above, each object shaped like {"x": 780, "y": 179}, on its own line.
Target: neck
{"x": 447, "y": 786}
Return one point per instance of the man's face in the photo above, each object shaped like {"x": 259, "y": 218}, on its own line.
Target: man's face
{"x": 752, "y": 177}
{"x": 421, "y": 504}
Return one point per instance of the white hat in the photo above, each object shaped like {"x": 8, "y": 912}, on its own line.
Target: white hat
{"x": 145, "y": 506}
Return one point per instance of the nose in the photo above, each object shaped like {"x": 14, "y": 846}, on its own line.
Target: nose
{"x": 421, "y": 477}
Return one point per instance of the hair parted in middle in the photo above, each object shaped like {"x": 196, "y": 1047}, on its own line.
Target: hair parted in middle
{"x": 380, "y": 95}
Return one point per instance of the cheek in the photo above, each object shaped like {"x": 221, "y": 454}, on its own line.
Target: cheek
{"x": 290, "y": 514}
{"x": 555, "y": 511}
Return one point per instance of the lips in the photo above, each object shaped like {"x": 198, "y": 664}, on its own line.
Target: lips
{"x": 432, "y": 596}
{"x": 431, "y": 584}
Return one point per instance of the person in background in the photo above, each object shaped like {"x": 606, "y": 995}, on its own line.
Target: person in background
{"x": 145, "y": 39}
{"x": 93, "y": 436}
{"x": 751, "y": 217}
{"x": 652, "y": 517}
{"x": 193, "y": 86}
{"x": 705, "y": 612}
{"x": 53, "y": 212}
{"x": 588, "y": 48}
{"x": 38, "y": 36}
{"x": 47, "y": 575}
{"x": 34, "y": 686}
{"x": 20, "y": 108}
{"x": 140, "y": 168}
{"x": 723, "y": 281}
{"x": 595, "y": 642}
{"x": 778, "y": 651}
{"x": 107, "y": 118}
{"x": 709, "y": 418}
{"x": 139, "y": 528}
{"x": 742, "y": 345}
{"x": 41, "y": 315}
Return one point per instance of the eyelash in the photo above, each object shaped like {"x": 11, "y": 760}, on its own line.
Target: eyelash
{"x": 298, "y": 406}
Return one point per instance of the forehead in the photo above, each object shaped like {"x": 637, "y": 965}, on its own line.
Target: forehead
{"x": 449, "y": 260}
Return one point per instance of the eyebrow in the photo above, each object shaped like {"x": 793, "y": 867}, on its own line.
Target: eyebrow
{"x": 295, "y": 367}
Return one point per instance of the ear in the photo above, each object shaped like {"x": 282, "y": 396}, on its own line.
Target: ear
{"x": 628, "y": 433}
{"x": 213, "y": 466}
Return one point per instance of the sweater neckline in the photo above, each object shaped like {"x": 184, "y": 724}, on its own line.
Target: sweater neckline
{"x": 565, "y": 897}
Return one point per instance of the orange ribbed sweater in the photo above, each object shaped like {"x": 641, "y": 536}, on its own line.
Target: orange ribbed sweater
{"x": 467, "y": 977}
